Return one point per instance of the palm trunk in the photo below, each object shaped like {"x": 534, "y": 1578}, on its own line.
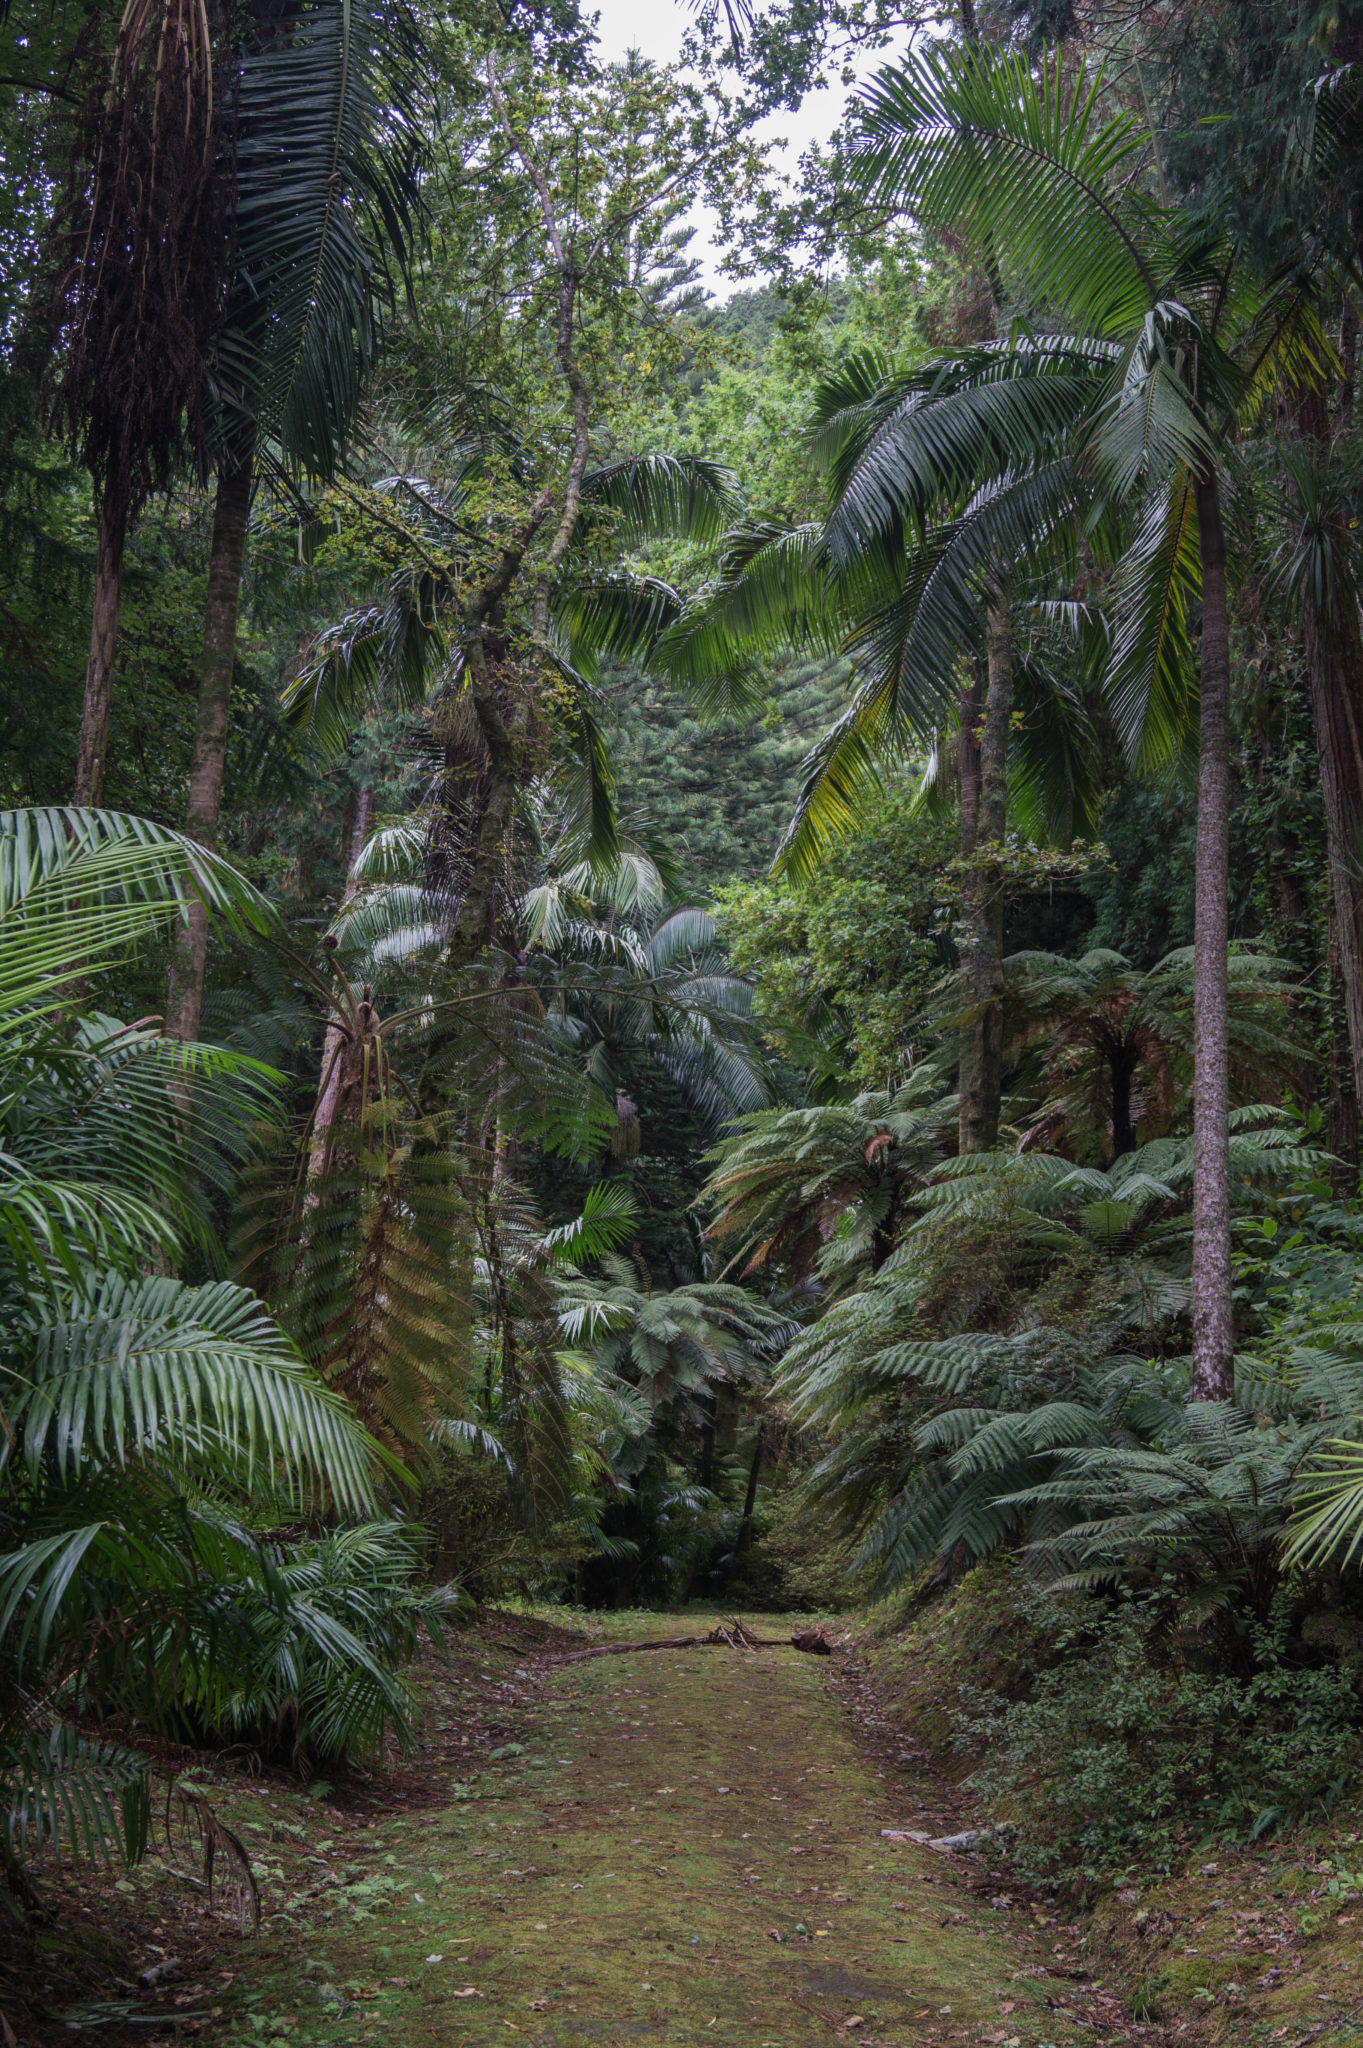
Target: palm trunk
{"x": 1334, "y": 667}
{"x": 99, "y": 671}
{"x": 1213, "y": 1320}
{"x": 227, "y": 556}
{"x": 1333, "y": 650}
{"x": 334, "y": 1043}
{"x": 982, "y": 1085}
{"x": 1342, "y": 1127}
{"x": 968, "y": 767}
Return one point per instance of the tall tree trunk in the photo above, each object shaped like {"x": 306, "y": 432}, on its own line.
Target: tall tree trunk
{"x": 707, "y": 1444}
{"x": 1333, "y": 648}
{"x": 968, "y": 768}
{"x": 982, "y": 1088}
{"x": 1122, "y": 1065}
{"x": 99, "y": 670}
{"x": 1213, "y": 1320}
{"x": 227, "y": 556}
{"x": 334, "y": 1043}
{"x": 750, "y": 1502}
{"x": 1342, "y": 1128}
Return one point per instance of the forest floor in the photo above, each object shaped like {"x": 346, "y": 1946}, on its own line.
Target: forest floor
{"x": 674, "y": 1847}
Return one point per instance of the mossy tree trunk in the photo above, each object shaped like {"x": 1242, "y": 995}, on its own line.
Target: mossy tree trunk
{"x": 982, "y": 1081}
{"x": 1213, "y": 1319}
{"x": 227, "y": 556}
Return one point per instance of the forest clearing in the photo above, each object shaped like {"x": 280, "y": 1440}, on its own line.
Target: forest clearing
{"x": 681, "y": 1022}
{"x": 509, "y": 1878}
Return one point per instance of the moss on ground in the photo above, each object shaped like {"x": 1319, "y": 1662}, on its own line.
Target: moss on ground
{"x": 682, "y": 1848}
{"x": 1258, "y": 1944}
{"x": 1248, "y": 1946}
{"x": 686, "y": 1849}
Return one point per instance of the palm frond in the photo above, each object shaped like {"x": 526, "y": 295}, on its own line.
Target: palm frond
{"x": 1151, "y": 676}
{"x": 73, "y": 1794}
{"x": 78, "y": 888}
{"x": 688, "y": 496}
{"x": 1022, "y": 162}
{"x": 139, "y": 1367}
{"x": 328, "y": 145}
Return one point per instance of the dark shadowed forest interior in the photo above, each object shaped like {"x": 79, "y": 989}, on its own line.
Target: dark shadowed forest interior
{"x": 681, "y": 1022}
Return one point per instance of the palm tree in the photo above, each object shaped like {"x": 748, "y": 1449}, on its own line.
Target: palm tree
{"x": 949, "y": 531}
{"x": 140, "y": 246}
{"x": 155, "y": 1431}
{"x": 231, "y": 217}
{"x": 325, "y": 190}
{"x": 1022, "y": 163}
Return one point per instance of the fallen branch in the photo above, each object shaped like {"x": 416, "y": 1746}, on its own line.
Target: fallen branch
{"x": 734, "y": 1636}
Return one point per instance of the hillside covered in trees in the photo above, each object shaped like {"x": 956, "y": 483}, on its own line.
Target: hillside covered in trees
{"x": 687, "y": 949}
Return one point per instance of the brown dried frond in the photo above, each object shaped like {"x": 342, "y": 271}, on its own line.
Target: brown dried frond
{"x": 192, "y": 1824}
{"x": 140, "y": 242}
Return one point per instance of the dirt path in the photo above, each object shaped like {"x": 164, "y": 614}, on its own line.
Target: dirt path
{"x": 686, "y": 1849}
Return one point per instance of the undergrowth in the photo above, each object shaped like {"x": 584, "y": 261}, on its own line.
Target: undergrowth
{"x": 1118, "y": 1758}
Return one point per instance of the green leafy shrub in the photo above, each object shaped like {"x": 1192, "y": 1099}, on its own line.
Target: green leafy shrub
{"x": 1116, "y": 1759}
{"x": 165, "y": 1446}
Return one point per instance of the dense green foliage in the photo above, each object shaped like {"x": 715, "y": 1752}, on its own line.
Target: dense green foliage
{"x": 774, "y": 885}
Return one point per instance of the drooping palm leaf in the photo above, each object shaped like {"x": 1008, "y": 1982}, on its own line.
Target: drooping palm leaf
{"x": 72, "y": 1793}
{"x": 1025, "y": 161}
{"x": 684, "y": 495}
{"x": 78, "y": 887}
{"x": 327, "y": 140}
{"x": 142, "y": 1366}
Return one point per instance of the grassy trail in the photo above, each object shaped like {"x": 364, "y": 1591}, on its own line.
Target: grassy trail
{"x": 685, "y": 1850}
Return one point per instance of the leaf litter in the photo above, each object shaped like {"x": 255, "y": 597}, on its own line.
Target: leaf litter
{"x": 645, "y": 1909}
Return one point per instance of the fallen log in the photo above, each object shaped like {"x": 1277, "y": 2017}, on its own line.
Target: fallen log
{"x": 735, "y": 1636}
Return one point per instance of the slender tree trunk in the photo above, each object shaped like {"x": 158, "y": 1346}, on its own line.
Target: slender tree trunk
{"x": 99, "y": 671}
{"x": 1348, "y": 361}
{"x": 982, "y": 1090}
{"x": 968, "y": 768}
{"x": 1213, "y": 1321}
{"x": 1122, "y": 1065}
{"x": 750, "y": 1500}
{"x": 707, "y": 1445}
{"x": 1334, "y": 668}
{"x": 226, "y": 559}
{"x": 1333, "y": 648}
{"x": 1335, "y": 676}
{"x": 334, "y": 1044}
{"x": 1342, "y": 1129}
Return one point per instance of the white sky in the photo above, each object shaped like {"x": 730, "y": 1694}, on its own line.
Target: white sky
{"x": 655, "y": 28}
